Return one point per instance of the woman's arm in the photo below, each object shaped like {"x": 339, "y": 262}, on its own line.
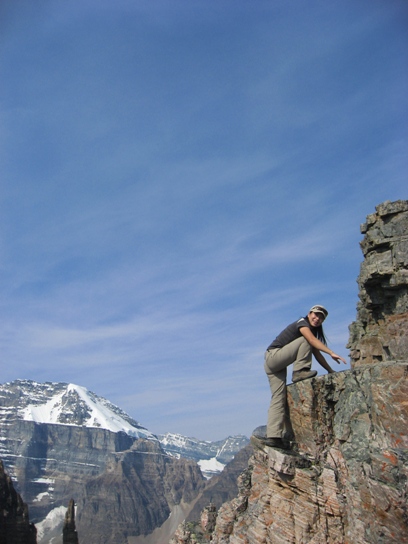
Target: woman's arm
{"x": 317, "y": 345}
{"x": 322, "y": 361}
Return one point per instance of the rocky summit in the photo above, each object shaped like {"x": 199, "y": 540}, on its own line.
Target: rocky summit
{"x": 345, "y": 479}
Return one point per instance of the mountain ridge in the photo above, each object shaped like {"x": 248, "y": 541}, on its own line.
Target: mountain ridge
{"x": 60, "y": 403}
{"x": 212, "y": 457}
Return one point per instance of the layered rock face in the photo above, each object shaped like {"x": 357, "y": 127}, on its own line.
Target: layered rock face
{"x": 123, "y": 486}
{"x": 15, "y": 527}
{"x": 138, "y": 490}
{"x": 345, "y": 481}
{"x": 380, "y": 330}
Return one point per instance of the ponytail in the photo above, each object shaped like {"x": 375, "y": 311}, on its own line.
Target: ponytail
{"x": 320, "y": 335}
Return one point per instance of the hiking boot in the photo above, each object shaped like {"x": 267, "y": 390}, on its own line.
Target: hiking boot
{"x": 303, "y": 375}
{"x": 261, "y": 441}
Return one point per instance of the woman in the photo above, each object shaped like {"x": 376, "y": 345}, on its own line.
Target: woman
{"x": 295, "y": 344}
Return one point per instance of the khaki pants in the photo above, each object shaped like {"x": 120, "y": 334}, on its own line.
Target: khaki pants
{"x": 298, "y": 352}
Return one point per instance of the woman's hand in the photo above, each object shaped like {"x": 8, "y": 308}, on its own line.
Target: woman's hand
{"x": 315, "y": 343}
{"x": 337, "y": 358}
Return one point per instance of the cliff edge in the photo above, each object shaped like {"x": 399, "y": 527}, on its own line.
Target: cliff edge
{"x": 346, "y": 480}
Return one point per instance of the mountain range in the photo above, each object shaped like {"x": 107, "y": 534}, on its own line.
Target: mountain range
{"x": 59, "y": 441}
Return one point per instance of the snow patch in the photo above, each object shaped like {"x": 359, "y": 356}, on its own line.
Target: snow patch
{"x": 54, "y": 519}
{"x": 48, "y": 481}
{"x": 40, "y": 496}
{"x": 210, "y": 466}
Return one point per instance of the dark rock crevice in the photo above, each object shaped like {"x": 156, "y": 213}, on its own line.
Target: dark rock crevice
{"x": 15, "y": 526}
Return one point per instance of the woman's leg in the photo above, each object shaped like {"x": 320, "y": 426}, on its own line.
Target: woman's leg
{"x": 303, "y": 359}
{"x": 298, "y": 352}
{"x": 278, "y": 406}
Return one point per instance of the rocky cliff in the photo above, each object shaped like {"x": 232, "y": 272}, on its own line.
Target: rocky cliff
{"x": 380, "y": 330}
{"x": 15, "y": 526}
{"x": 345, "y": 481}
{"x": 124, "y": 487}
{"x": 138, "y": 490}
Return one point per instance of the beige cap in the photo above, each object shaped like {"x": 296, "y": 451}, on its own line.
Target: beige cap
{"x": 319, "y": 309}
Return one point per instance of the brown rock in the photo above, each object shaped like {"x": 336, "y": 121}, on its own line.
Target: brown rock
{"x": 208, "y": 517}
{"x": 145, "y": 484}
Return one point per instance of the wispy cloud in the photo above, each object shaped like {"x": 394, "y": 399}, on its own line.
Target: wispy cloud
{"x": 177, "y": 184}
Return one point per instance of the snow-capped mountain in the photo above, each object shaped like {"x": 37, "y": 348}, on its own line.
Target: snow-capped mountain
{"x": 74, "y": 405}
{"x": 65, "y": 404}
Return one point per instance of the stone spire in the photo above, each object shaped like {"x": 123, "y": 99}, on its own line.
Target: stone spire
{"x": 380, "y": 332}
{"x": 69, "y": 534}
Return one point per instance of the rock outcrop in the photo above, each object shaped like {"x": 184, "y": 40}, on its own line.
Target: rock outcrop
{"x": 15, "y": 526}
{"x": 380, "y": 330}
{"x": 345, "y": 480}
{"x": 346, "y": 483}
{"x": 69, "y": 532}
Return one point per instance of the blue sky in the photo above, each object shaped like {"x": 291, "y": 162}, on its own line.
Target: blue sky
{"x": 182, "y": 179}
